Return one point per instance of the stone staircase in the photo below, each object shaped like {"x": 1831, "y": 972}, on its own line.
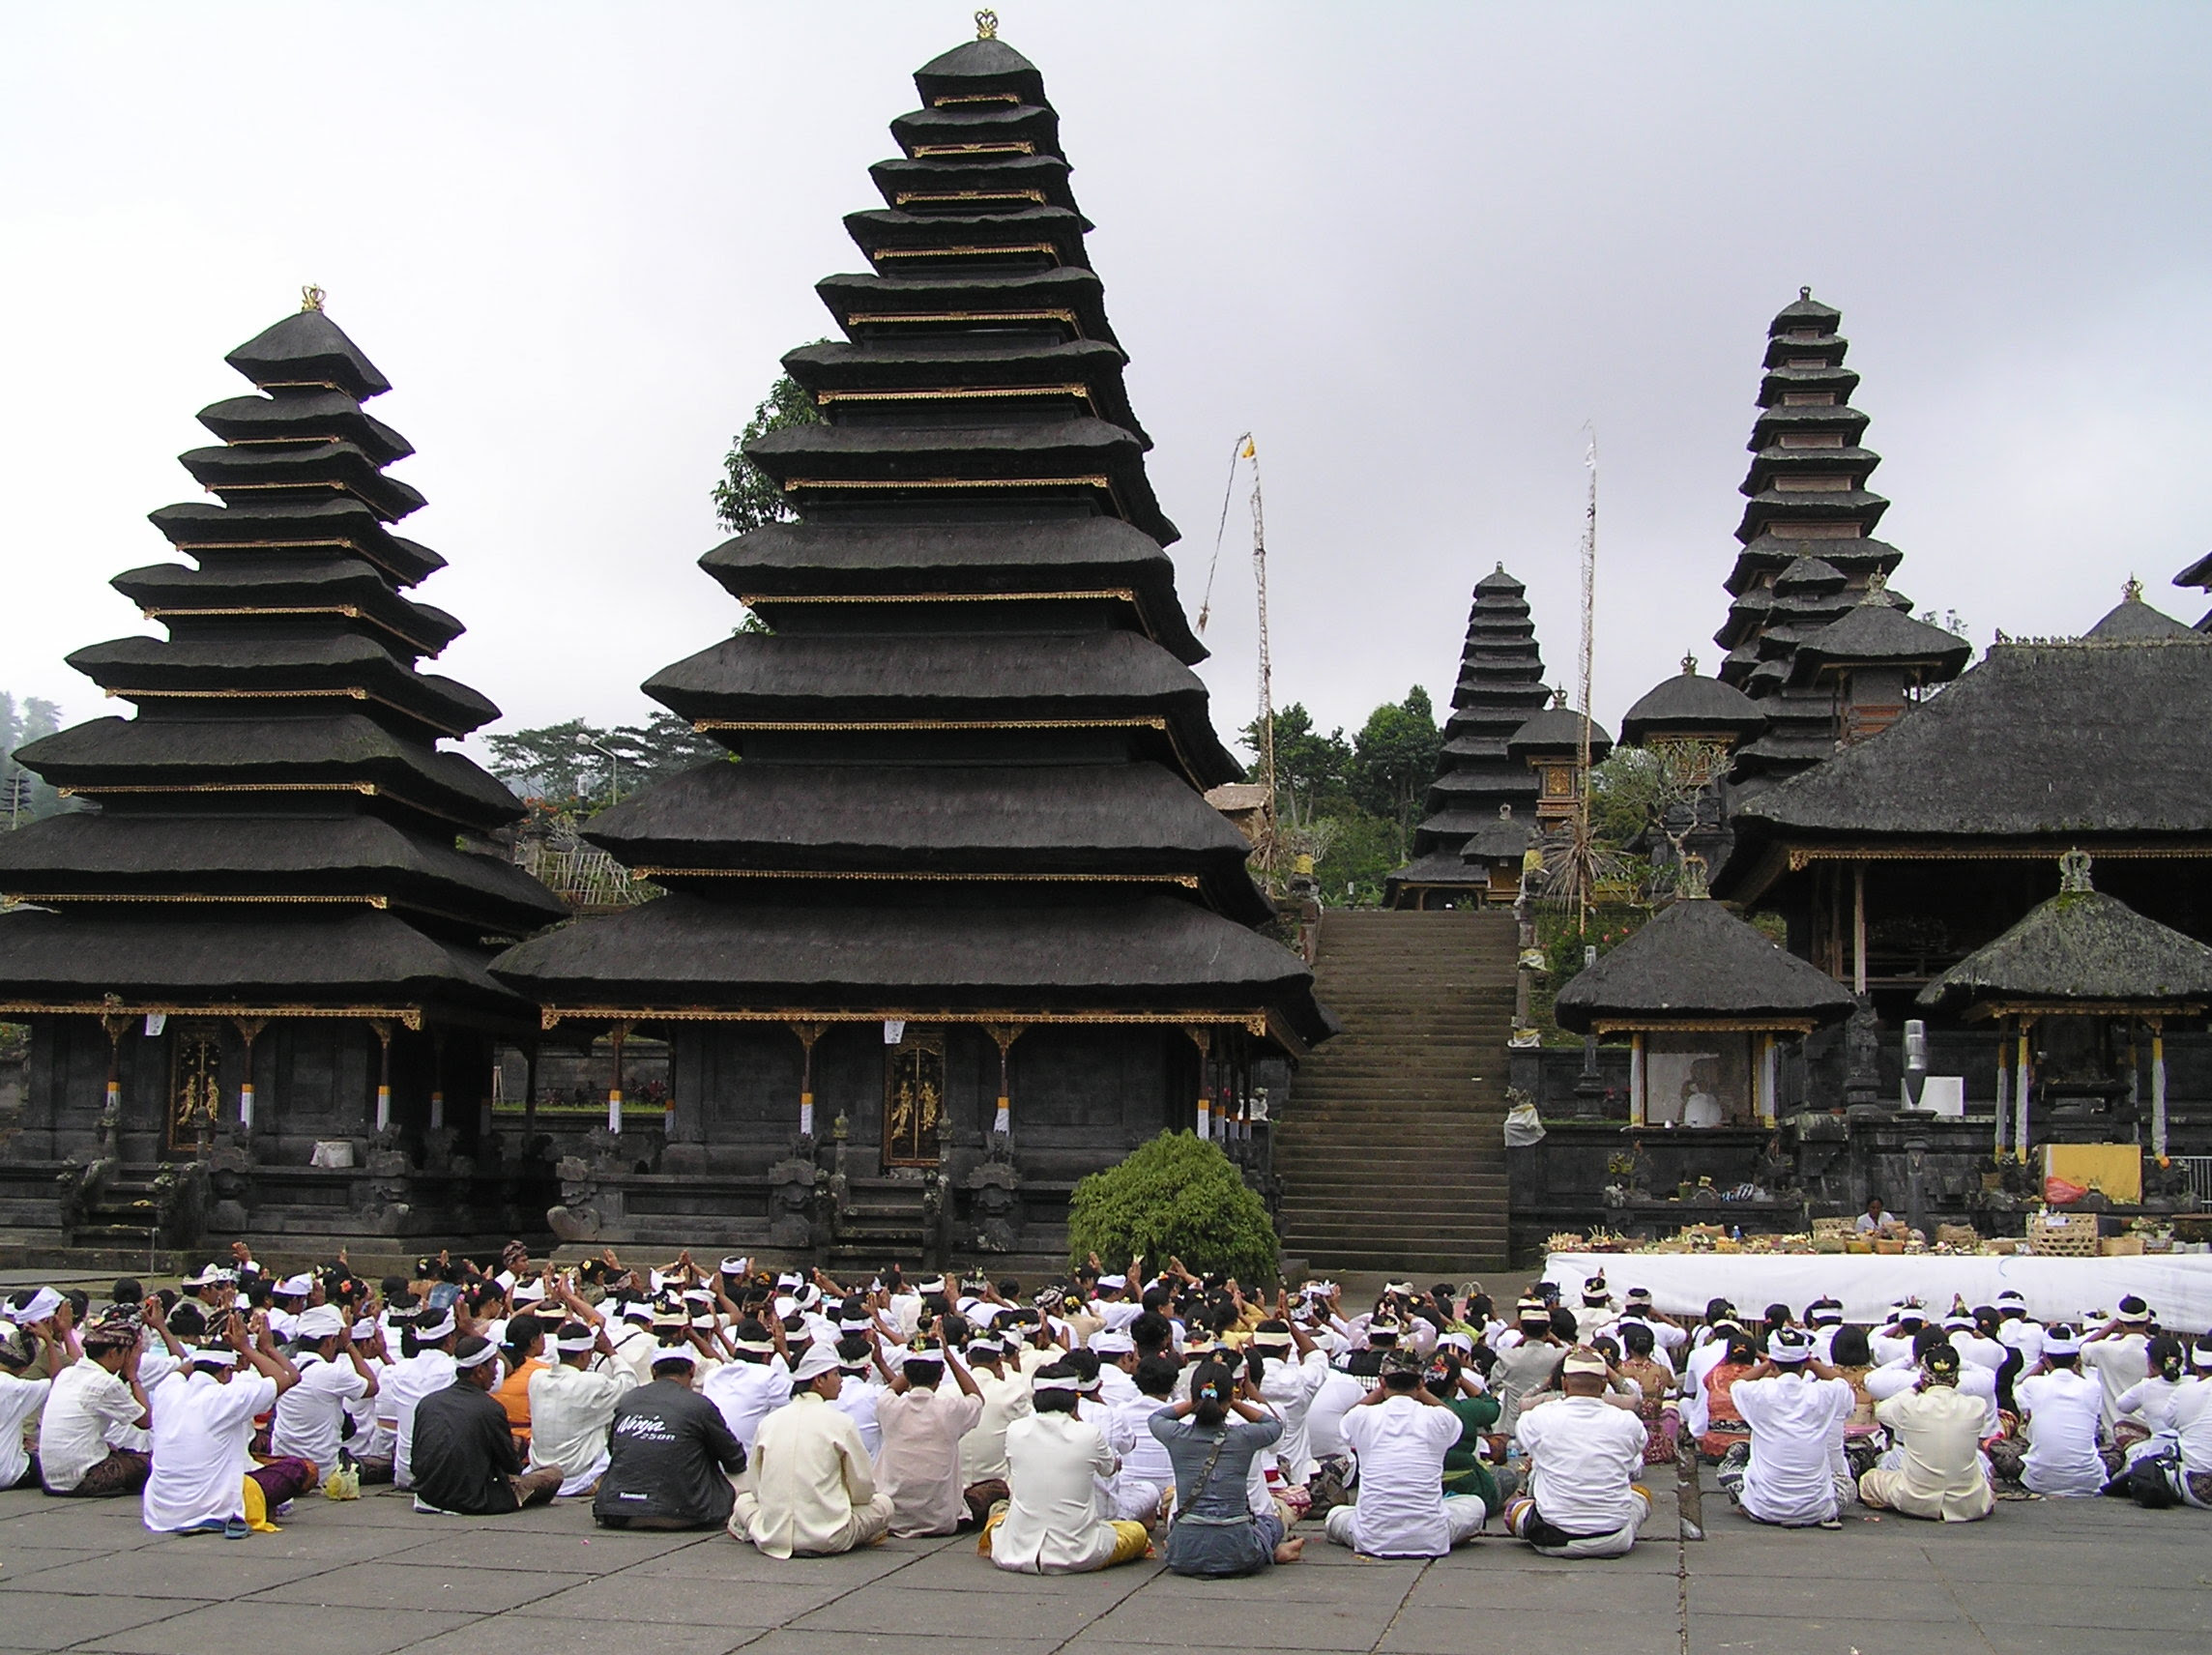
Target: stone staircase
{"x": 1392, "y": 1152}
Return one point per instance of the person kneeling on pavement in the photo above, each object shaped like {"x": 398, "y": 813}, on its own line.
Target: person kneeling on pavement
{"x": 670, "y": 1454}
{"x": 1400, "y": 1433}
{"x": 1583, "y": 1500}
{"x": 1936, "y": 1469}
{"x": 461, "y": 1451}
{"x": 812, "y": 1489}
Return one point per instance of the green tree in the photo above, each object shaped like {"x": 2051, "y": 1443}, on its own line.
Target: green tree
{"x": 747, "y": 498}
{"x": 578, "y": 764}
{"x": 1311, "y": 769}
{"x": 1175, "y": 1197}
{"x": 1394, "y": 756}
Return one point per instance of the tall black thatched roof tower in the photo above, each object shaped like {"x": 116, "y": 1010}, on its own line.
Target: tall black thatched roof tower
{"x": 972, "y": 753}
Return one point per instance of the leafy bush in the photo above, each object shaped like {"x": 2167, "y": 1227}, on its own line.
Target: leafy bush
{"x": 1173, "y": 1197}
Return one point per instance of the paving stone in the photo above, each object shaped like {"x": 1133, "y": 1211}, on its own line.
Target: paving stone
{"x": 208, "y": 1567}
{"x": 1757, "y": 1634}
{"x": 1538, "y": 1626}
{"x": 790, "y": 1641}
{"x": 61, "y": 1622}
{"x": 2131, "y": 1602}
{"x": 226, "y": 1629}
{"x": 704, "y": 1598}
{"x": 1264, "y": 1623}
{"x": 515, "y": 1634}
{"x": 390, "y": 1585}
{"x": 578, "y": 1549}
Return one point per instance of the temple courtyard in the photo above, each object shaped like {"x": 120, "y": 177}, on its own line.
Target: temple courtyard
{"x": 372, "y": 1577}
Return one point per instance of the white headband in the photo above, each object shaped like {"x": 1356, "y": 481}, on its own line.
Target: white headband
{"x": 490, "y": 1352}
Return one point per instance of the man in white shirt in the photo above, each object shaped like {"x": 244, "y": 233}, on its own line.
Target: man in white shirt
{"x": 754, "y": 1383}
{"x": 203, "y": 1426}
{"x": 983, "y": 1450}
{"x": 1936, "y": 1469}
{"x": 2064, "y": 1412}
{"x": 2017, "y": 1330}
{"x": 1971, "y": 1380}
{"x": 2119, "y": 1354}
{"x": 809, "y": 1490}
{"x": 1293, "y": 1372}
{"x": 1055, "y": 1462}
{"x": 1583, "y": 1500}
{"x": 860, "y": 1390}
{"x": 1400, "y": 1433}
{"x": 407, "y": 1381}
{"x": 571, "y": 1404}
{"x": 1144, "y": 1487}
{"x": 1795, "y": 1407}
{"x": 310, "y": 1414}
{"x": 93, "y": 1439}
{"x": 2191, "y": 1422}
{"x": 21, "y": 1399}
{"x": 1876, "y": 1218}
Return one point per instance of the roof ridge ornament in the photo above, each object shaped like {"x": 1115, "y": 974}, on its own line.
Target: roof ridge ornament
{"x": 1690, "y": 884}
{"x": 2131, "y": 590}
{"x": 2074, "y": 872}
{"x": 986, "y": 25}
{"x": 1804, "y": 293}
{"x": 1876, "y": 589}
{"x": 1689, "y": 666}
{"x": 310, "y": 298}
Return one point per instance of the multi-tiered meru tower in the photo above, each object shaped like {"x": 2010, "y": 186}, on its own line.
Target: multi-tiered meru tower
{"x": 270, "y": 929}
{"x": 959, "y": 912}
{"x": 1813, "y": 635}
{"x": 1482, "y": 805}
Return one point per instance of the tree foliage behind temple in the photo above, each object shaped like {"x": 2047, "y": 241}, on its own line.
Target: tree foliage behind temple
{"x": 1351, "y": 804}
{"x": 747, "y": 498}
{"x": 580, "y": 767}
{"x": 1175, "y": 1197}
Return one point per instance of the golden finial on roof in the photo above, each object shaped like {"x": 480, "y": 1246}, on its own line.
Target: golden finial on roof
{"x": 2131, "y": 591}
{"x": 2074, "y": 872}
{"x": 986, "y": 25}
{"x": 1689, "y": 666}
{"x": 310, "y": 298}
{"x": 1559, "y": 696}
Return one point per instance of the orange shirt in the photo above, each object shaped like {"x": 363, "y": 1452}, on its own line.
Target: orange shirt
{"x": 514, "y": 1394}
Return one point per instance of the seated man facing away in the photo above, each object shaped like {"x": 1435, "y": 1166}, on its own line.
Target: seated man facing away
{"x": 1935, "y": 1470}
{"x": 1795, "y": 1406}
{"x": 812, "y": 1491}
{"x": 1055, "y": 1461}
{"x": 1401, "y": 1433}
{"x": 203, "y": 1423}
{"x": 670, "y": 1453}
{"x": 1583, "y": 1500}
{"x": 461, "y": 1451}
{"x": 572, "y": 1405}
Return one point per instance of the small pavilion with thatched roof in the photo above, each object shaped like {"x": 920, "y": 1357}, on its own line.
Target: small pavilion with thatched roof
{"x": 2084, "y": 956}
{"x": 1706, "y": 1002}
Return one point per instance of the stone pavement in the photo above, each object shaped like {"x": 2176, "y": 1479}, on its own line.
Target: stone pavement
{"x": 372, "y": 1577}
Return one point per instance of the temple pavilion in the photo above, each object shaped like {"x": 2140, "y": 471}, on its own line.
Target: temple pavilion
{"x": 1481, "y": 808}
{"x": 959, "y": 923}
{"x": 259, "y": 949}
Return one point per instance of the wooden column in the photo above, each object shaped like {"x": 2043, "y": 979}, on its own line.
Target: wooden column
{"x": 1858, "y": 927}
{"x": 1767, "y": 1049}
{"x": 808, "y": 1033}
{"x": 2004, "y": 1084}
{"x": 1004, "y": 1035}
{"x": 249, "y": 1031}
{"x": 1635, "y": 1079}
{"x": 112, "y": 1104}
{"x": 381, "y": 1027}
{"x": 437, "y": 1081}
{"x": 618, "y": 1034}
{"x": 2022, "y": 1078}
{"x": 2157, "y": 1085}
{"x": 1203, "y": 1038}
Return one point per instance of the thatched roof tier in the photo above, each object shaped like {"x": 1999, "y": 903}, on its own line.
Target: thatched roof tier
{"x": 193, "y": 601}
{"x": 2081, "y": 951}
{"x": 1688, "y": 706}
{"x": 1556, "y": 731}
{"x": 1694, "y": 964}
{"x": 1878, "y": 633}
{"x": 965, "y": 183}
{"x": 249, "y": 657}
{"x": 962, "y": 379}
{"x": 306, "y": 353}
{"x": 766, "y": 821}
{"x": 870, "y": 954}
{"x": 2133, "y": 620}
{"x": 977, "y": 572}
{"x": 331, "y": 415}
{"x": 272, "y": 961}
{"x": 120, "y": 861}
{"x": 309, "y": 527}
{"x": 170, "y": 764}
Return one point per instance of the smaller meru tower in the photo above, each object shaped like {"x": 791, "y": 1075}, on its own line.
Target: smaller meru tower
{"x": 264, "y": 933}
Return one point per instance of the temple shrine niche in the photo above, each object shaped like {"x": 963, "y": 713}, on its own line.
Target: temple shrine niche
{"x": 254, "y": 962}
{"x": 958, "y": 925}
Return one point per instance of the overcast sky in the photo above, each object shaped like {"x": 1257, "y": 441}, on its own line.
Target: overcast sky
{"x": 1415, "y": 248}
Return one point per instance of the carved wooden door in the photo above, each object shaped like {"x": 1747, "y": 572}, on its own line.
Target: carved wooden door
{"x": 195, "y": 1089}
{"x": 914, "y": 1101}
